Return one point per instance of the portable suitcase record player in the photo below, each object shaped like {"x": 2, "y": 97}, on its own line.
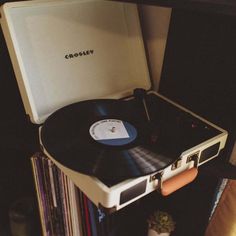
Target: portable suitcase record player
{"x": 83, "y": 76}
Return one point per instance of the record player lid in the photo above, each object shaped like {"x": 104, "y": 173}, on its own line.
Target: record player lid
{"x": 68, "y": 51}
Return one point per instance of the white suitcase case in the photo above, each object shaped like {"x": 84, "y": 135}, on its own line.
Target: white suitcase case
{"x": 65, "y": 52}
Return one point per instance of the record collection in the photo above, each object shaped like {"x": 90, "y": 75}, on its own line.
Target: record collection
{"x": 63, "y": 208}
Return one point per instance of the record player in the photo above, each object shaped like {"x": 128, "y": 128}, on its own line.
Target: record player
{"x": 83, "y": 76}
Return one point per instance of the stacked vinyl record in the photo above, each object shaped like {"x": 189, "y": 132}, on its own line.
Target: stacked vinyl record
{"x": 64, "y": 209}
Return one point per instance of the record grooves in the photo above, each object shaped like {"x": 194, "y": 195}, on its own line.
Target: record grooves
{"x": 75, "y": 137}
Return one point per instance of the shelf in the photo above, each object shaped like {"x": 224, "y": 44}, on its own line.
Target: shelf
{"x": 217, "y": 6}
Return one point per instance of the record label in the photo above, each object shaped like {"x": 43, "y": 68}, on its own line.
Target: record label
{"x": 113, "y": 132}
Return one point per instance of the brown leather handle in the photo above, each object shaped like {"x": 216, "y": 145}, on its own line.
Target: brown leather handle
{"x": 178, "y": 181}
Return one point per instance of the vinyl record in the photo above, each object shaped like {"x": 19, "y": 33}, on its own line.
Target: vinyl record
{"x": 106, "y": 138}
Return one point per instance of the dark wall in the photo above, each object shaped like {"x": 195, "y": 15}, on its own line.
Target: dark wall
{"x": 18, "y": 139}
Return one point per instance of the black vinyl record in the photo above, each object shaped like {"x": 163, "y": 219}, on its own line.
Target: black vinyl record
{"x": 106, "y": 138}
